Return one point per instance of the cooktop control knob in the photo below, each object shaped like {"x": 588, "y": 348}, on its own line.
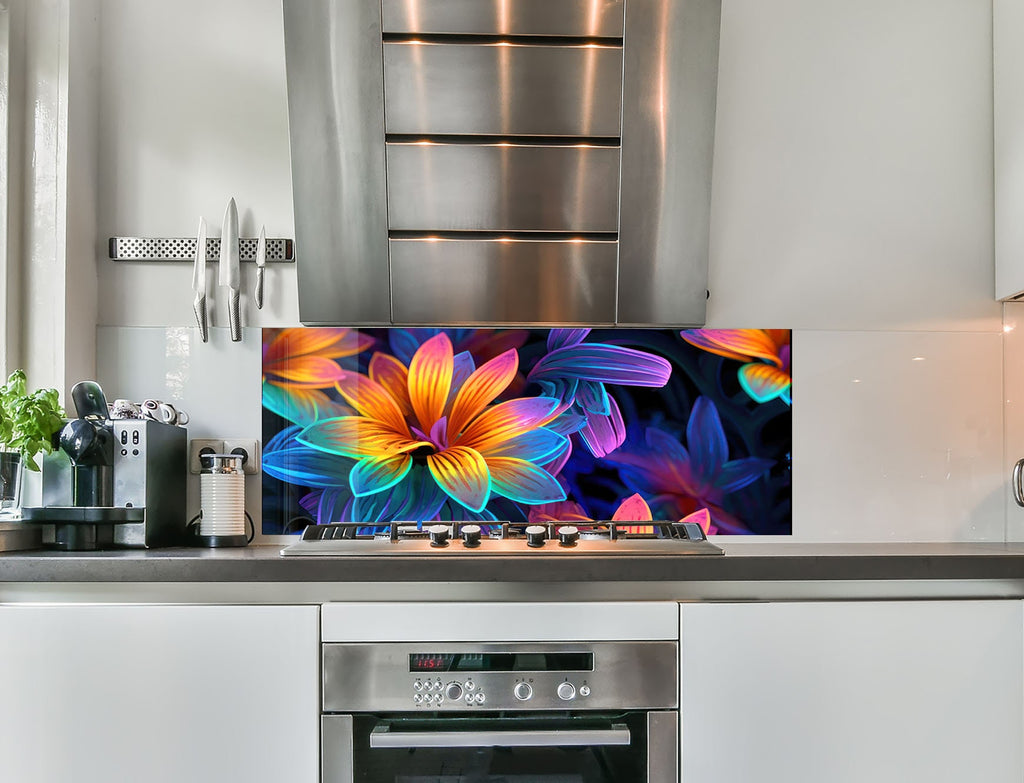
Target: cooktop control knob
{"x": 453, "y": 692}
{"x": 568, "y": 535}
{"x": 522, "y": 691}
{"x": 566, "y": 691}
{"x": 438, "y": 535}
{"x": 535, "y": 535}
{"x": 470, "y": 535}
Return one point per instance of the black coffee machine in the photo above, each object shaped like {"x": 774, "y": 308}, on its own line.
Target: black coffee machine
{"x": 114, "y": 482}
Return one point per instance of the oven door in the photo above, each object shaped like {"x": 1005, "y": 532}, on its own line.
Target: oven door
{"x": 631, "y": 747}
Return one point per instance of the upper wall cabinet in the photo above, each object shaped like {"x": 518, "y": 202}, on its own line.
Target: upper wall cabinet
{"x": 1008, "y": 106}
{"x": 502, "y": 161}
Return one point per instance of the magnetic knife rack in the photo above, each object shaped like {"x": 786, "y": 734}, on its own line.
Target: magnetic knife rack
{"x": 279, "y": 251}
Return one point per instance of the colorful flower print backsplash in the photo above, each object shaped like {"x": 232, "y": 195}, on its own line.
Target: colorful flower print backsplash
{"x": 374, "y": 425}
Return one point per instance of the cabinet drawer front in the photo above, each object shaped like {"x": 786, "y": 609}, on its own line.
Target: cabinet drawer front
{"x": 502, "y": 89}
{"x": 503, "y": 281}
{"x": 495, "y": 187}
{"x": 501, "y": 17}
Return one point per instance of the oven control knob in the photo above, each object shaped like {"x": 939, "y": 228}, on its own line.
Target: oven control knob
{"x": 470, "y": 535}
{"x": 566, "y": 691}
{"x": 584, "y": 690}
{"x": 522, "y": 691}
{"x": 438, "y": 535}
{"x": 453, "y": 692}
{"x": 535, "y": 535}
{"x": 568, "y": 535}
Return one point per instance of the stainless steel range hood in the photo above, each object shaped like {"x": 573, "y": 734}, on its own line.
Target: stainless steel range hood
{"x": 502, "y": 161}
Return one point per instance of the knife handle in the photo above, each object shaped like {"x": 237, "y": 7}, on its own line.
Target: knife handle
{"x": 234, "y": 317}
{"x": 258, "y": 293}
{"x": 199, "y": 306}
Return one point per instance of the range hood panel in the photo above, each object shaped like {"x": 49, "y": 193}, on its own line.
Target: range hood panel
{"x": 580, "y": 132}
{"x": 503, "y": 282}
{"x": 336, "y": 127}
{"x": 438, "y": 88}
{"x": 502, "y": 188}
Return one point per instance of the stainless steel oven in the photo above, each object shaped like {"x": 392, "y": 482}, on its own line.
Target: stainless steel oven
{"x": 521, "y": 712}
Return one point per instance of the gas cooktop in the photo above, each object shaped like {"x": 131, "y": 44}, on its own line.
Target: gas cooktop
{"x": 458, "y": 539}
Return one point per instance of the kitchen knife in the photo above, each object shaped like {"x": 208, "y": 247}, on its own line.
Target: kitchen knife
{"x": 229, "y": 274}
{"x": 199, "y": 281}
{"x": 261, "y": 262}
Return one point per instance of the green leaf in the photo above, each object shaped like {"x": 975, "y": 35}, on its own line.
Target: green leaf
{"x": 28, "y": 421}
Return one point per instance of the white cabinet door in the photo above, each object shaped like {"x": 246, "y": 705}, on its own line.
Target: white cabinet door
{"x": 880, "y": 692}
{"x": 1008, "y": 128}
{"x": 161, "y": 694}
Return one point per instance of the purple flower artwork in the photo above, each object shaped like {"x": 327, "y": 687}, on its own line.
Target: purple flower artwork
{"x": 374, "y": 425}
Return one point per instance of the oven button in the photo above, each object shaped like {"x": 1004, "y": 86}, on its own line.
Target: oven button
{"x": 479, "y": 698}
{"x": 438, "y": 698}
{"x": 584, "y": 690}
{"x": 417, "y": 699}
{"x": 522, "y": 691}
{"x": 469, "y": 699}
{"x": 470, "y": 685}
{"x": 453, "y": 692}
{"x": 566, "y": 691}
{"x": 417, "y": 686}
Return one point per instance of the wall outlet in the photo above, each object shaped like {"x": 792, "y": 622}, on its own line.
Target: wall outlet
{"x": 249, "y": 449}
{"x": 198, "y": 446}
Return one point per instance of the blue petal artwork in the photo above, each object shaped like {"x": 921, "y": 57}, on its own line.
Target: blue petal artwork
{"x": 375, "y": 425}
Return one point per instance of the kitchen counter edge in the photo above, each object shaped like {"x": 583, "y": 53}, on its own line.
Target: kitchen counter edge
{"x": 743, "y": 562}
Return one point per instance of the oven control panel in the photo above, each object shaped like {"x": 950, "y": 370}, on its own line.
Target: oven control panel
{"x": 513, "y": 676}
{"x": 444, "y": 693}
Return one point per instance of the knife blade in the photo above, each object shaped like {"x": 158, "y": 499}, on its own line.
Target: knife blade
{"x": 199, "y": 281}
{"x": 261, "y": 262}
{"x": 229, "y": 272}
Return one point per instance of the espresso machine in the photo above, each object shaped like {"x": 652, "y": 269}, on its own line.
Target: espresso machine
{"x": 110, "y": 483}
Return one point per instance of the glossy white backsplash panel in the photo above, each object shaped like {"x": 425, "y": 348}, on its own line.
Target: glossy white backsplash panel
{"x": 216, "y": 383}
{"x": 1013, "y": 395}
{"x": 897, "y": 436}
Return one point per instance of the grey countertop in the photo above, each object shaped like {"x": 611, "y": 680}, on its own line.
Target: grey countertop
{"x": 743, "y": 562}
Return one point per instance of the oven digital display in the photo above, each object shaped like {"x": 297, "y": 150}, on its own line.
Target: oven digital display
{"x": 502, "y": 662}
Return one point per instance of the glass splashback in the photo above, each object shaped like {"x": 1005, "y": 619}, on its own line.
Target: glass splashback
{"x": 375, "y": 425}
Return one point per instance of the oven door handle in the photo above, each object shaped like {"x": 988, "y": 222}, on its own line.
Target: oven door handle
{"x": 383, "y": 737}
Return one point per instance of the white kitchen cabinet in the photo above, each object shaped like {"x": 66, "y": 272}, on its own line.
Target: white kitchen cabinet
{"x": 1008, "y": 132}
{"x": 849, "y": 692}
{"x": 161, "y": 694}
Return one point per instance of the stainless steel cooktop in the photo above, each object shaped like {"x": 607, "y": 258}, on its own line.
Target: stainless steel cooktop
{"x": 456, "y": 539}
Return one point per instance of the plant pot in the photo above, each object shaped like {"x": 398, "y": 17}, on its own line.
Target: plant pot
{"x": 11, "y": 470}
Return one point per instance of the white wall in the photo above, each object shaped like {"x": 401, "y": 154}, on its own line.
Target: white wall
{"x": 852, "y": 202}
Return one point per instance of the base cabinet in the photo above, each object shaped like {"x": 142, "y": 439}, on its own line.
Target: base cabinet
{"x": 161, "y": 694}
{"x": 900, "y": 692}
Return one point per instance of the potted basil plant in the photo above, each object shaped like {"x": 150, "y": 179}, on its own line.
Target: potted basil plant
{"x": 28, "y": 423}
